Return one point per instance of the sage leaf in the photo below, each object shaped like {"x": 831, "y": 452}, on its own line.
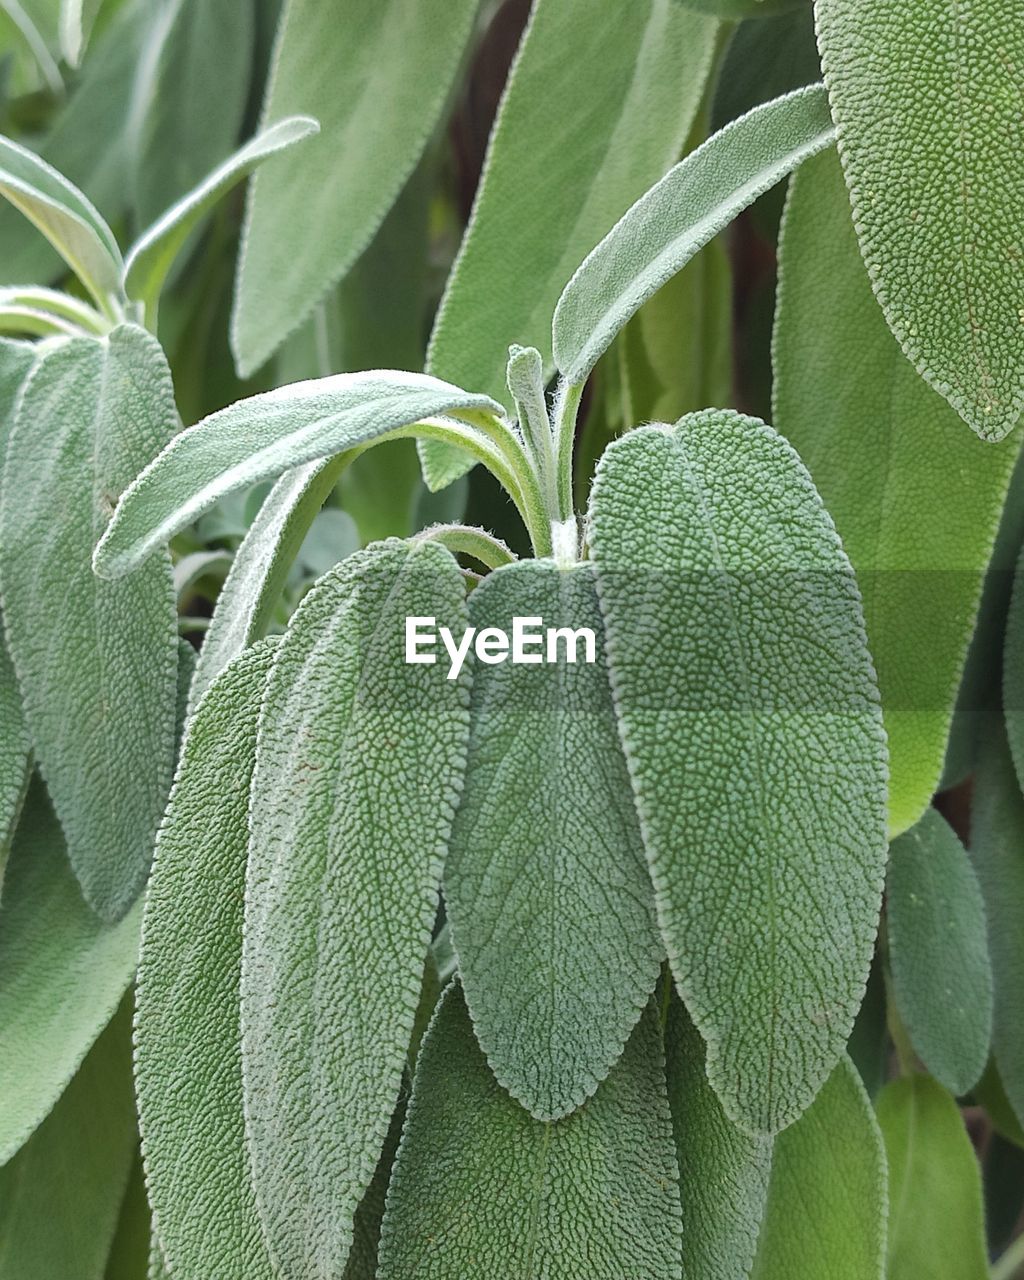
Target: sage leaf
{"x": 96, "y": 662}
{"x": 732, "y": 10}
{"x": 129, "y": 1252}
{"x": 157, "y": 1267}
{"x": 481, "y": 1189}
{"x": 766, "y": 57}
{"x": 936, "y": 1227}
{"x": 15, "y": 755}
{"x": 827, "y": 1197}
{"x": 916, "y": 499}
{"x": 76, "y": 19}
{"x": 62, "y": 973}
{"x": 1013, "y": 671}
{"x": 61, "y": 1194}
{"x": 677, "y": 217}
{"x": 938, "y": 949}
{"x": 723, "y": 1172}
{"x": 188, "y": 1070}
{"x": 547, "y": 889}
{"x": 737, "y": 651}
{"x": 259, "y": 438}
{"x": 359, "y": 762}
{"x": 376, "y": 74}
{"x": 929, "y": 123}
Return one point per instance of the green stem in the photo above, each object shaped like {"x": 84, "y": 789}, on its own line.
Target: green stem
{"x": 567, "y": 404}
{"x": 463, "y": 539}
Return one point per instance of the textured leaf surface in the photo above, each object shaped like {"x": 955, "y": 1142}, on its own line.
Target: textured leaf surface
{"x": 188, "y": 1068}
{"x": 750, "y": 720}
{"x": 548, "y": 195}
{"x": 827, "y": 1198}
{"x": 916, "y": 498}
{"x": 938, "y": 948}
{"x": 678, "y": 216}
{"x": 376, "y": 74}
{"x": 723, "y": 1172}
{"x": 1013, "y": 671}
{"x": 936, "y": 1227}
{"x": 61, "y": 1194}
{"x": 260, "y": 437}
{"x": 481, "y": 1189}
{"x": 96, "y": 661}
{"x": 62, "y": 973}
{"x": 359, "y": 762}
{"x": 15, "y": 755}
{"x": 548, "y": 893}
{"x": 928, "y": 110}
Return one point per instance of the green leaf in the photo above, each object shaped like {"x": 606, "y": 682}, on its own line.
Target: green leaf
{"x": 129, "y": 1252}
{"x": 259, "y": 438}
{"x": 38, "y": 310}
{"x": 359, "y": 763}
{"x": 188, "y": 1069}
{"x": 76, "y": 19}
{"x": 723, "y": 1172}
{"x": 677, "y": 217}
{"x": 938, "y": 948}
{"x": 936, "y": 1227}
{"x": 928, "y": 114}
{"x": 1013, "y": 671}
{"x": 96, "y": 661}
{"x": 732, "y": 10}
{"x": 62, "y": 973}
{"x": 827, "y": 1200}
{"x": 61, "y": 1194}
{"x": 916, "y": 499}
{"x": 547, "y": 889}
{"x": 15, "y": 755}
{"x": 749, "y": 716}
{"x": 157, "y": 1266}
{"x": 153, "y": 254}
{"x": 376, "y": 74}
{"x": 766, "y": 57}
{"x": 481, "y": 1189}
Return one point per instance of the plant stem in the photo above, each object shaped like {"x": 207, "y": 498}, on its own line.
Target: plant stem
{"x": 470, "y": 541}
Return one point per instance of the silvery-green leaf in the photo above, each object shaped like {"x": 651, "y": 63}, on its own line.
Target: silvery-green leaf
{"x": 678, "y": 216}
{"x": 766, "y": 57}
{"x": 15, "y": 754}
{"x": 547, "y": 889}
{"x": 358, "y": 766}
{"x": 76, "y": 19}
{"x": 927, "y": 107}
{"x": 749, "y": 715}
{"x": 732, "y": 10}
{"x": 481, "y": 1189}
{"x": 96, "y": 661}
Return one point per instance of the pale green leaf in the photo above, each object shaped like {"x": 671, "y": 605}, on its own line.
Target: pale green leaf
{"x": 15, "y": 754}
{"x": 62, "y": 973}
{"x": 750, "y": 720}
{"x": 376, "y": 74}
{"x": 188, "y": 1070}
{"x": 678, "y": 216}
{"x": 1013, "y": 671}
{"x": 938, "y": 948}
{"x": 359, "y": 762}
{"x": 827, "y": 1197}
{"x": 547, "y": 890}
{"x": 38, "y": 310}
{"x": 481, "y": 1189}
{"x": 732, "y": 10}
{"x": 76, "y": 19}
{"x": 916, "y": 499}
{"x": 157, "y": 1266}
{"x": 766, "y": 57}
{"x": 936, "y": 1227}
{"x": 927, "y": 105}
{"x": 96, "y": 661}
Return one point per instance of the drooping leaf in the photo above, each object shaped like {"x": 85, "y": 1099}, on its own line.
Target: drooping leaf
{"x": 376, "y": 74}
{"x": 750, "y": 720}
{"x": 259, "y": 438}
{"x": 723, "y": 1172}
{"x": 188, "y": 1070}
{"x": 359, "y": 762}
{"x": 678, "y": 216}
{"x": 938, "y": 948}
{"x": 61, "y": 1194}
{"x": 928, "y": 113}
{"x": 936, "y": 1226}
{"x": 481, "y": 1189}
{"x": 827, "y": 1199}
{"x": 916, "y": 498}
{"x": 62, "y": 973}
{"x": 96, "y": 661}
{"x": 547, "y": 889}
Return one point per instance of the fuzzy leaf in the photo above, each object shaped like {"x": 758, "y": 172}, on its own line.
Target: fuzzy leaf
{"x": 97, "y": 662}
{"x": 936, "y": 1227}
{"x": 733, "y": 10}
{"x": 15, "y": 755}
{"x": 678, "y": 216}
{"x": 938, "y": 948}
{"x": 76, "y": 19}
{"x": 359, "y": 762}
{"x": 749, "y": 716}
{"x": 547, "y": 889}
{"x": 1013, "y": 670}
{"x": 481, "y": 1189}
